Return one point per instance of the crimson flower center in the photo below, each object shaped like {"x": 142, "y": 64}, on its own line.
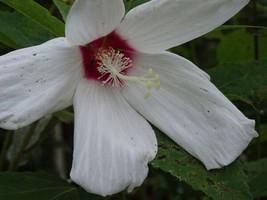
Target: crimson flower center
{"x": 109, "y": 59}
{"x": 103, "y": 53}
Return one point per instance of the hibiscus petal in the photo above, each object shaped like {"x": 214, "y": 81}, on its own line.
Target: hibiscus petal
{"x": 37, "y": 80}
{"x": 92, "y": 19}
{"x": 161, "y": 24}
{"x": 191, "y": 110}
{"x": 112, "y": 143}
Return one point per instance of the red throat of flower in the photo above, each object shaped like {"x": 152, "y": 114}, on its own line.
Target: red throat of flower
{"x": 107, "y": 50}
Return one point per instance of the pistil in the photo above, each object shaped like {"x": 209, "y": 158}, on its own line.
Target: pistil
{"x": 113, "y": 64}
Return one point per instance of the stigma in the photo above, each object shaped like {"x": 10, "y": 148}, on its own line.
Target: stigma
{"x": 113, "y": 66}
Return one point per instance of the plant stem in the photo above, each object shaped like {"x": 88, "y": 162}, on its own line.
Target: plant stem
{"x": 14, "y": 163}
{"x": 44, "y": 134}
{"x": 258, "y": 129}
{"x": 256, "y": 57}
{"x": 122, "y": 195}
{"x": 7, "y": 143}
{"x": 255, "y": 37}
{"x": 193, "y": 52}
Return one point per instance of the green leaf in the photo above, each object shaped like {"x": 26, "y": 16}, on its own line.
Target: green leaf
{"x": 39, "y": 185}
{"x": 257, "y": 173}
{"x": 7, "y": 41}
{"x": 228, "y": 183}
{"x": 21, "y": 31}
{"x": 130, "y": 4}
{"x": 263, "y": 132}
{"x": 37, "y": 13}
{"x": 236, "y": 46}
{"x": 238, "y": 43}
{"x": 244, "y": 79}
{"x": 63, "y": 8}
{"x": 263, "y": 2}
{"x": 64, "y": 116}
{"x": 4, "y": 7}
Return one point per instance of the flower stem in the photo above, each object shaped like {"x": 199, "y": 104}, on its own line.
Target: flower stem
{"x": 7, "y": 143}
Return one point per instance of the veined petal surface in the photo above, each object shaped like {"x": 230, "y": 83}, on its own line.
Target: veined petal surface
{"x": 36, "y": 81}
{"x": 112, "y": 142}
{"x": 191, "y": 110}
{"x": 161, "y": 24}
{"x": 89, "y": 20}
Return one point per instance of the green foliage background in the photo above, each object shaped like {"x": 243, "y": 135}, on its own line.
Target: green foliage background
{"x": 235, "y": 56}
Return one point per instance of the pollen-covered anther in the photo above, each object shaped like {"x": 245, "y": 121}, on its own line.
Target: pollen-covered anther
{"x": 112, "y": 66}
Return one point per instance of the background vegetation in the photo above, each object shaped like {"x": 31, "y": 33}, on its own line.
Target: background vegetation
{"x": 35, "y": 161}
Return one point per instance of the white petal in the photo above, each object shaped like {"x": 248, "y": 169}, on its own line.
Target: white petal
{"x": 92, "y": 19}
{"x": 112, "y": 143}
{"x": 161, "y": 24}
{"x": 37, "y": 80}
{"x": 191, "y": 110}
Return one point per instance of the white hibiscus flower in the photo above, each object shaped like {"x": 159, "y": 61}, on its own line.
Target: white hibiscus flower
{"x": 115, "y": 71}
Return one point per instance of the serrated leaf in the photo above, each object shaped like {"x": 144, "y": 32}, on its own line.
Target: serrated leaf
{"x": 21, "y": 30}
{"x": 39, "y": 185}
{"x": 228, "y": 183}
{"x": 244, "y": 79}
{"x": 63, "y": 8}
{"x": 37, "y": 13}
{"x": 257, "y": 173}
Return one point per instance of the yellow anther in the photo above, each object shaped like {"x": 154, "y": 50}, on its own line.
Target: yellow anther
{"x": 150, "y": 72}
{"x": 157, "y": 78}
{"x": 149, "y": 85}
{"x": 147, "y": 95}
{"x": 112, "y": 65}
{"x": 157, "y": 82}
{"x": 157, "y": 86}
